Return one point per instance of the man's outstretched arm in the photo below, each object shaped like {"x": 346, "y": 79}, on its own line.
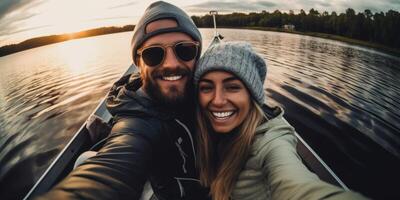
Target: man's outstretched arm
{"x": 118, "y": 171}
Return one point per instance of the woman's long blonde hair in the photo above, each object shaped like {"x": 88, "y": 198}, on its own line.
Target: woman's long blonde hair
{"x": 220, "y": 174}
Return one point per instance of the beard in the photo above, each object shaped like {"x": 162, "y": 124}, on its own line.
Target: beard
{"x": 174, "y": 97}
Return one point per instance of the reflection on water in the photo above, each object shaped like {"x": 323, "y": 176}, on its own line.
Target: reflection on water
{"x": 342, "y": 99}
{"x": 46, "y": 94}
{"x": 332, "y": 79}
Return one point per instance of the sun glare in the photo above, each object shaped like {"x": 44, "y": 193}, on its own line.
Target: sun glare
{"x": 77, "y": 54}
{"x": 69, "y": 16}
{"x": 53, "y": 17}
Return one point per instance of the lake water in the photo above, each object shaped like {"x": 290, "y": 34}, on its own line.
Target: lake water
{"x": 343, "y": 99}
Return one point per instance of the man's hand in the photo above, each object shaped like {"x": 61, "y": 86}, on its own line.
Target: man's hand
{"x": 98, "y": 129}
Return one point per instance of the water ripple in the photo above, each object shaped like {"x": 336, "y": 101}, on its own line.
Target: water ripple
{"x": 343, "y": 99}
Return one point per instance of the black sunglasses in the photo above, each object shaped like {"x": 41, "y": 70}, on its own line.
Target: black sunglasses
{"x": 154, "y": 55}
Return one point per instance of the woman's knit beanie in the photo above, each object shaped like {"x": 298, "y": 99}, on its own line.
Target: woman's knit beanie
{"x": 239, "y": 59}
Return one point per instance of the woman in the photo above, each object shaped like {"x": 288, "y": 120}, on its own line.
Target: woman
{"x": 247, "y": 150}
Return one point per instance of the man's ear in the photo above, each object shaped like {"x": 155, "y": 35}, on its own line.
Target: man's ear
{"x": 140, "y": 65}
{"x": 137, "y": 58}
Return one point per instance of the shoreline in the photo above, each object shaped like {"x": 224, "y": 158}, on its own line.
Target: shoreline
{"x": 52, "y": 39}
{"x": 379, "y": 47}
{"x": 39, "y": 41}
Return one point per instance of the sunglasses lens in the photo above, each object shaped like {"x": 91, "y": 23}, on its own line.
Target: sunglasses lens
{"x": 153, "y": 56}
{"x": 186, "y": 51}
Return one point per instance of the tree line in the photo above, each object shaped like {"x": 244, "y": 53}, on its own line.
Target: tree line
{"x": 379, "y": 27}
{"x": 382, "y": 28}
{"x": 45, "y": 40}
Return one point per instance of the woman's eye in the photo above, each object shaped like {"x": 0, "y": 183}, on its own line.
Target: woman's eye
{"x": 233, "y": 87}
{"x": 205, "y": 89}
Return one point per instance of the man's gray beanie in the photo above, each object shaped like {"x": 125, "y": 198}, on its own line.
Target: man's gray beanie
{"x": 162, "y": 10}
{"x": 239, "y": 59}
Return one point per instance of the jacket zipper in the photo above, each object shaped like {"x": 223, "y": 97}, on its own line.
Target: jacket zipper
{"x": 190, "y": 136}
{"x": 182, "y": 190}
{"x": 180, "y": 187}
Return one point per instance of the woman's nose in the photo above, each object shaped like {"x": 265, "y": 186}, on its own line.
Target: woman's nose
{"x": 219, "y": 98}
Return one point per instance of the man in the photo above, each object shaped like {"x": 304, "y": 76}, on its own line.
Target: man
{"x": 151, "y": 138}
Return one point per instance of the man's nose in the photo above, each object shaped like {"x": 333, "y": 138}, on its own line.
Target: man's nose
{"x": 170, "y": 61}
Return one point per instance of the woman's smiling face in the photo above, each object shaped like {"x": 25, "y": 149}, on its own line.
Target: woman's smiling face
{"x": 224, "y": 100}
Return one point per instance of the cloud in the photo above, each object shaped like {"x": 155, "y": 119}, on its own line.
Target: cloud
{"x": 325, "y": 4}
{"x": 230, "y": 6}
{"x": 9, "y": 6}
{"x": 373, "y": 5}
{"x": 11, "y": 25}
{"x": 122, "y": 5}
{"x": 266, "y": 4}
{"x": 397, "y": 2}
{"x": 21, "y": 16}
{"x": 13, "y": 14}
{"x": 17, "y": 30}
{"x": 296, "y": 5}
{"x": 111, "y": 18}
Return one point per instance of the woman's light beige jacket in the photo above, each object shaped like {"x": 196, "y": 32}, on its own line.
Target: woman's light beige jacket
{"x": 274, "y": 170}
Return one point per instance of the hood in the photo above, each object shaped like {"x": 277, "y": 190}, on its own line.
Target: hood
{"x": 275, "y": 118}
{"x": 125, "y": 99}
{"x": 274, "y": 128}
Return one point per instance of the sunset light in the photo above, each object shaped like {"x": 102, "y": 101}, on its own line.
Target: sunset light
{"x": 21, "y": 20}
{"x": 50, "y": 17}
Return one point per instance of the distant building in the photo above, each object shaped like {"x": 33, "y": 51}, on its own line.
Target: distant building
{"x": 289, "y": 27}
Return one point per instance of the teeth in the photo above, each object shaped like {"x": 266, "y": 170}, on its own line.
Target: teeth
{"x": 222, "y": 114}
{"x": 171, "y": 78}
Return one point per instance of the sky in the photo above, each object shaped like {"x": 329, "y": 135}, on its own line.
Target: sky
{"x": 24, "y": 19}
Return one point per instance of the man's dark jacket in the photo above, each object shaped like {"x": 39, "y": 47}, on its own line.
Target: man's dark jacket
{"x": 147, "y": 142}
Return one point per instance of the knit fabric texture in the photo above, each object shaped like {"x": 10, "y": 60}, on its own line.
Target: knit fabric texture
{"x": 239, "y": 59}
{"x": 162, "y": 10}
